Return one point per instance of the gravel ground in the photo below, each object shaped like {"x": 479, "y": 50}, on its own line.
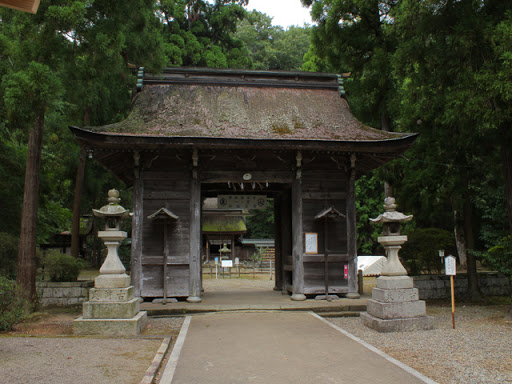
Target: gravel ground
{"x": 478, "y": 350}
{"x": 75, "y": 360}
{"x": 58, "y": 358}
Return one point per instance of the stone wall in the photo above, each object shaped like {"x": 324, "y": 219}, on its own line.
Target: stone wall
{"x": 63, "y": 294}
{"x": 433, "y": 287}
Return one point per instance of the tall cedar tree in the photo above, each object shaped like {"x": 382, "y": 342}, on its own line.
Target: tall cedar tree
{"x": 454, "y": 73}
{"x": 63, "y": 38}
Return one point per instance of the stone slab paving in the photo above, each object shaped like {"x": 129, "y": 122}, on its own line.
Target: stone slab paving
{"x": 278, "y": 347}
{"x": 239, "y": 294}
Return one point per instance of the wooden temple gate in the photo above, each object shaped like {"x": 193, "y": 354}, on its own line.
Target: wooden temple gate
{"x": 197, "y": 133}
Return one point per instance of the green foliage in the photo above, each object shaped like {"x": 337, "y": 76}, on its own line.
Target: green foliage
{"x": 62, "y": 267}
{"x": 257, "y": 256}
{"x": 499, "y": 257}
{"x": 201, "y": 33}
{"x": 351, "y": 37}
{"x": 13, "y": 308}
{"x": 12, "y": 159}
{"x": 272, "y": 47}
{"x": 260, "y": 225}
{"x": 369, "y": 203}
{"x": 421, "y": 252}
{"x": 8, "y": 253}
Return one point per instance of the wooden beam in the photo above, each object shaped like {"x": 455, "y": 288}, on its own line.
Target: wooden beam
{"x": 237, "y": 176}
{"x": 297, "y": 242}
{"x": 278, "y": 246}
{"x": 352, "y": 231}
{"x": 195, "y": 240}
{"x": 166, "y": 256}
{"x": 137, "y": 225}
{"x": 29, "y": 6}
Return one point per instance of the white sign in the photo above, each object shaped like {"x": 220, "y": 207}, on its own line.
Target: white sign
{"x": 449, "y": 265}
{"x": 227, "y": 264}
{"x": 242, "y": 201}
{"x": 311, "y": 240}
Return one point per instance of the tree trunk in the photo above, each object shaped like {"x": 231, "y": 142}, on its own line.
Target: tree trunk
{"x": 473, "y": 293}
{"x": 385, "y": 125}
{"x": 26, "y": 274}
{"x": 507, "y": 172}
{"x": 460, "y": 241}
{"x": 79, "y": 184}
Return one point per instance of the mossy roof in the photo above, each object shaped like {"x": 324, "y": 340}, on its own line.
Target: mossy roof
{"x": 223, "y": 224}
{"x": 205, "y": 103}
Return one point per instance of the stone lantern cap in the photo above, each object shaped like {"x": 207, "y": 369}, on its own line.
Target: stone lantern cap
{"x": 391, "y": 218}
{"x": 113, "y": 208}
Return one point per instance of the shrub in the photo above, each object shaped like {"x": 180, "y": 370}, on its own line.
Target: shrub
{"x": 499, "y": 257}
{"x": 62, "y": 267}
{"x": 8, "y": 255}
{"x": 421, "y": 252}
{"x": 12, "y": 307}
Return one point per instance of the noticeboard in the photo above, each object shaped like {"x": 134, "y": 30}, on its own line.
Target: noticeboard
{"x": 311, "y": 243}
{"x": 449, "y": 265}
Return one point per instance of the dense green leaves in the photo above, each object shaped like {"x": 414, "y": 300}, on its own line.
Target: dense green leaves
{"x": 260, "y": 224}
{"x": 201, "y": 33}
{"x": 272, "y": 47}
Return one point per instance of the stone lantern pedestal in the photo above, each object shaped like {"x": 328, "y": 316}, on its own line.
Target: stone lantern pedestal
{"x": 395, "y": 304}
{"x": 112, "y": 308}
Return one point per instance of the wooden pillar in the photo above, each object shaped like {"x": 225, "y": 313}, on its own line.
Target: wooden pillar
{"x": 297, "y": 240}
{"x": 278, "y": 265}
{"x": 137, "y": 225}
{"x": 207, "y": 249}
{"x": 233, "y": 253}
{"x": 352, "y": 231}
{"x": 195, "y": 235}
{"x": 286, "y": 241}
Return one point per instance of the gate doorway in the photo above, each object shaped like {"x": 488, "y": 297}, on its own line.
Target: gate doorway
{"x": 244, "y": 238}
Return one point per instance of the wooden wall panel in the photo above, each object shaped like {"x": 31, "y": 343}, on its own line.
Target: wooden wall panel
{"x": 177, "y": 283}
{"x": 171, "y": 190}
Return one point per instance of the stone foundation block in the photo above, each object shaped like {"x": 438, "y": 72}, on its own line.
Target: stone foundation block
{"x": 111, "y": 310}
{"x": 111, "y": 327}
{"x": 112, "y": 281}
{"x": 399, "y": 310}
{"x": 112, "y": 294}
{"x": 395, "y": 295}
{"x": 397, "y": 325}
{"x": 395, "y": 282}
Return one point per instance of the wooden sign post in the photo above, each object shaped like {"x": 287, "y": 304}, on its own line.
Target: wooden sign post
{"x": 449, "y": 267}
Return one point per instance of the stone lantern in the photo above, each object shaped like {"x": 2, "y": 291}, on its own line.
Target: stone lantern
{"x": 391, "y": 238}
{"x": 395, "y": 304}
{"x": 112, "y": 308}
{"x": 112, "y": 272}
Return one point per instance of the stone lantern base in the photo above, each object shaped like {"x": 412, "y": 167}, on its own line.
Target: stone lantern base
{"x": 395, "y": 306}
{"x": 111, "y": 311}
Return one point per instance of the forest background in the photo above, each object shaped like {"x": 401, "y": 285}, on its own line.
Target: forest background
{"x": 442, "y": 68}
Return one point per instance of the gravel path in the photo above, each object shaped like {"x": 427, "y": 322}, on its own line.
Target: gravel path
{"x": 477, "y": 351}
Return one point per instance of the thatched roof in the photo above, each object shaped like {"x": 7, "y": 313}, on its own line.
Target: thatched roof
{"x": 223, "y": 110}
{"x": 205, "y": 103}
